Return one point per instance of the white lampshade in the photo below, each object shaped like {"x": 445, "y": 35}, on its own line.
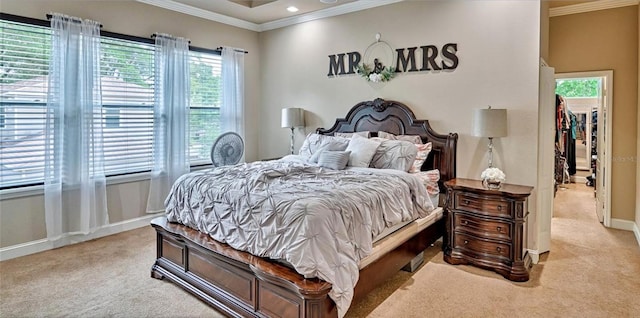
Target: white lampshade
{"x": 490, "y": 122}
{"x": 292, "y": 117}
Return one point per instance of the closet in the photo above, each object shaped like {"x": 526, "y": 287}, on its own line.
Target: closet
{"x": 576, "y": 140}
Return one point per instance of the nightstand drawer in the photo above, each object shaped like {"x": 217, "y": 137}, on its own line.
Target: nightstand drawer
{"x": 485, "y": 206}
{"x": 482, "y": 227}
{"x": 473, "y": 244}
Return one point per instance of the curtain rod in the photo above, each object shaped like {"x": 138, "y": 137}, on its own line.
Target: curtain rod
{"x": 241, "y": 51}
{"x": 49, "y": 16}
{"x": 153, "y": 36}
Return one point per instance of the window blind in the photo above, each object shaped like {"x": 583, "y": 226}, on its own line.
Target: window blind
{"x": 24, "y": 66}
{"x": 128, "y": 84}
{"x": 206, "y": 96}
{"x": 127, "y": 76}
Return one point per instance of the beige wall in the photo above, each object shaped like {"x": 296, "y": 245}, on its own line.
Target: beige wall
{"x": 498, "y": 47}
{"x": 498, "y": 66}
{"x": 22, "y": 219}
{"x": 544, "y": 30}
{"x": 498, "y": 44}
{"x": 607, "y": 40}
{"x": 638, "y": 143}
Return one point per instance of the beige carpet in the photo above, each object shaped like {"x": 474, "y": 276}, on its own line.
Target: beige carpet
{"x": 590, "y": 272}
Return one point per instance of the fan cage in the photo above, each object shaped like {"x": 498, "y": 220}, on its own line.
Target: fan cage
{"x": 227, "y": 149}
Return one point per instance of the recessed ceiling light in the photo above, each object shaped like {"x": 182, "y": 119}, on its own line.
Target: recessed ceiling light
{"x": 292, "y": 9}
{"x": 328, "y": 1}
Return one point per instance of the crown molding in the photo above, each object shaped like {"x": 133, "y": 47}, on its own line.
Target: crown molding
{"x": 326, "y": 13}
{"x": 221, "y": 18}
{"x": 197, "y": 12}
{"x": 590, "y": 6}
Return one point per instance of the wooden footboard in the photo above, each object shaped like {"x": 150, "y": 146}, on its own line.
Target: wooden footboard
{"x": 242, "y": 285}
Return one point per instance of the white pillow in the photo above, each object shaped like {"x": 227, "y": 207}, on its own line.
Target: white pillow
{"x": 362, "y": 151}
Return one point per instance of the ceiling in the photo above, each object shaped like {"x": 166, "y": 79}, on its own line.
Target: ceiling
{"x": 261, "y": 11}
{"x": 262, "y": 15}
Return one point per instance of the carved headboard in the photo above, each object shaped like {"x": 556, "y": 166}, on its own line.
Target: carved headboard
{"x": 398, "y": 119}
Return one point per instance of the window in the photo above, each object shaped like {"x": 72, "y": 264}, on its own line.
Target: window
{"x": 24, "y": 66}
{"x": 127, "y": 77}
{"x": 204, "y": 116}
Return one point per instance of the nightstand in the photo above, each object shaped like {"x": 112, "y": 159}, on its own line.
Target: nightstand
{"x": 485, "y": 227}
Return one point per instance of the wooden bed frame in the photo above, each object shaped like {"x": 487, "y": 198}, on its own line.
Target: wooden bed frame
{"x": 242, "y": 285}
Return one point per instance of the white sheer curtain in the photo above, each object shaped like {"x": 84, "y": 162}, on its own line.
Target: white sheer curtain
{"x": 75, "y": 185}
{"x": 170, "y": 119}
{"x": 232, "y": 110}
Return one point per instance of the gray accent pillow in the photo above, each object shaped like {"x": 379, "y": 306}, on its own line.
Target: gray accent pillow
{"x": 395, "y": 154}
{"x": 365, "y": 134}
{"x": 362, "y": 151}
{"x": 315, "y": 142}
{"x": 336, "y": 160}
{"x": 410, "y": 138}
{"x": 331, "y": 145}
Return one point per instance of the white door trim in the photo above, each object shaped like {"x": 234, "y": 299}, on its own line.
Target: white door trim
{"x": 541, "y": 223}
{"x": 608, "y": 75}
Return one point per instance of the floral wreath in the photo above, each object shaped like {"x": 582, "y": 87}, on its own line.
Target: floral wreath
{"x": 378, "y": 72}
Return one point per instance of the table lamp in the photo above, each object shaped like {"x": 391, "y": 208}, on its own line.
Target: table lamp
{"x": 292, "y": 118}
{"x": 491, "y": 123}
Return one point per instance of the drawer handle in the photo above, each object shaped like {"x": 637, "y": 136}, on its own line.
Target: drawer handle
{"x": 499, "y": 207}
{"x": 499, "y": 249}
{"x": 465, "y": 201}
{"x": 499, "y": 229}
{"x": 466, "y": 242}
{"x": 465, "y": 222}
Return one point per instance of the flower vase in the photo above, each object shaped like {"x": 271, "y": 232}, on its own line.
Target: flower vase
{"x": 492, "y": 178}
{"x": 491, "y": 183}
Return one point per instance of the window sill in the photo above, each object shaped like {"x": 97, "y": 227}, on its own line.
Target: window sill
{"x": 127, "y": 178}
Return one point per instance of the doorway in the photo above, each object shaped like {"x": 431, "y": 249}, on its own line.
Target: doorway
{"x": 584, "y": 134}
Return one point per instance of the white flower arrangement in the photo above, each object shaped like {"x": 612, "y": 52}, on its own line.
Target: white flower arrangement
{"x": 378, "y": 73}
{"x": 493, "y": 174}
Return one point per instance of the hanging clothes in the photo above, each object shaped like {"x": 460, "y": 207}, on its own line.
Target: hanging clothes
{"x": 570, "y": 145}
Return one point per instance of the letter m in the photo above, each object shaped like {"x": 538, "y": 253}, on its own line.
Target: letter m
{"x": 336, "y": 65}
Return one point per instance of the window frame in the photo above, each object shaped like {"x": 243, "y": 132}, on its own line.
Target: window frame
{"x": 37, "y": 188}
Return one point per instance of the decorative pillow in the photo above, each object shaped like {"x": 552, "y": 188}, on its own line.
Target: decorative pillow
{"x": 331, "y": 145}
{"x": 394, "y": 154}
{"x": 362, "y": 151}
{"x": 336, "y": 160}
{"x": 430, "y": 181}
{"x": 365, "y": 134}
{"x": 315, "y": 142}
{"x": 411, "y": 138}
{"x": 423, "y": 153}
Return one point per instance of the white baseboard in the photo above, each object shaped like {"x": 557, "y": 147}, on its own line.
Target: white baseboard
{"x": 45, "y": 244}
{"x": 535, "y": 256}
{"x": 627, "y": 226}
{"x": 622, "y": 224}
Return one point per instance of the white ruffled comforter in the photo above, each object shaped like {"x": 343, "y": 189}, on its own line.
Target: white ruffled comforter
{"x": 320, "y": 221}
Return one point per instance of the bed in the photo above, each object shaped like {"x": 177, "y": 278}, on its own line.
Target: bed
{"x": 240, "y": 284}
